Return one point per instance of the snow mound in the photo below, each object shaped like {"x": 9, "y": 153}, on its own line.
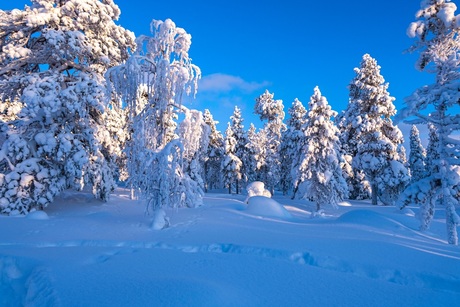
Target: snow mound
{"x": 37, "y": 215}
{"x": 407, "y": 211}
{"x": 160, "y": 220}
{"x": 264, "y": 206}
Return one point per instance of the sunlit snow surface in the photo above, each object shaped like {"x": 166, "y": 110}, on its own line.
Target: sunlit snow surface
{"x": 81, "y": 252}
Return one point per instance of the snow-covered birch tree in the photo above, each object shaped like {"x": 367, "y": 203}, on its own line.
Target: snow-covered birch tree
{"x": 153, "y": 82}
{"x": 54, "y": 56}
{"x": 272, "y": 111}
{"x": 378, "y": 153}
{"x": 319, "y": 177}
{"x": 437, "y": 40}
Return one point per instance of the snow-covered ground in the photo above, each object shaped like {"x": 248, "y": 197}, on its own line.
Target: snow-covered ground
{"x": 226, "y": 253}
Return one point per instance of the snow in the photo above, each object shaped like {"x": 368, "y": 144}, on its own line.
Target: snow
{"x": 82, "y": 252}
{"x": 266, "y": 207}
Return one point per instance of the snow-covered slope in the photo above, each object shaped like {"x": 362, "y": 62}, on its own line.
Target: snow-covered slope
{"x": 225, "y": 253}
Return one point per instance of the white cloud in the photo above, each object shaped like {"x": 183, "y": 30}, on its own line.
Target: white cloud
{"x": 226, "y": 83}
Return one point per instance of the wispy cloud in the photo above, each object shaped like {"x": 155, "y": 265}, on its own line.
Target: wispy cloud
{"x": 226, "y": 83}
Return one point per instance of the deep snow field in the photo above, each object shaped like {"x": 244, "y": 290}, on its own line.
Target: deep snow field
{"x": 82, "y": 252}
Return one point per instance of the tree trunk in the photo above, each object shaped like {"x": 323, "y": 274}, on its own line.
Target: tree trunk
{"x": 229, "y": 189}
{"x": 237, "y": 187}
{"x": 375, "y": 192}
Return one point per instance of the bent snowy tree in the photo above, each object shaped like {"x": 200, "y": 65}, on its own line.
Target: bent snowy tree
{"x": 436, "y": 32}
{"x": 152, "y": 83}
{"x": 54, "y": 56}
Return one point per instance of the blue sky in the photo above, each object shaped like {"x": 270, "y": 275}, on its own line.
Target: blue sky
{"x": 287, "y": 47}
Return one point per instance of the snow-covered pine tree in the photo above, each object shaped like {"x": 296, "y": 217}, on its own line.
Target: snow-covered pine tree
{"x": 377, "y": 148}
{"x": 214, "y": 155}
{"x": 272, "y": 111}
{"x": 54, "y": 56}
{"x": 152, "y": 82}
{"x": 417, "y": 155}
{"x": 436, "y": 33}
{"x": 320, "y": 176}
{"x": 432, "y": 153}
{"x": 231, "y": 164}
{"x": 292, "y": 142}
{"x": 253, "y": 149}
{"x": 349, "y": 125}
{"x": 241, "y": 141}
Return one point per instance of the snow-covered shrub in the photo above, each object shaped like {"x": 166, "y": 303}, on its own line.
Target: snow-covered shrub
{"x": 257, "y": 188}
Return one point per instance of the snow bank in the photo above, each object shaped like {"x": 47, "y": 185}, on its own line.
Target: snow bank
{"x": 37, "y": 215}
{"x": 264, "y": 206}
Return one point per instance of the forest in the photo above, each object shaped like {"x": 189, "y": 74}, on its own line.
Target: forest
{"x": 86, "y": 104}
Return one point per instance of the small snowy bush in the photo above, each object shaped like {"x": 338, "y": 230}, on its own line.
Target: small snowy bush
{"x": 257, "y": 188}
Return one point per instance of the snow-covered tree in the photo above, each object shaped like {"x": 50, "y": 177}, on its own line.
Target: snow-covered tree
{"x": 320, "y": 176}
{"x": 241, "y": 141}
{"x": 292, "y": 141}
{"x": 272, "y": 111}
{"x": 349, "y": 125}
{"x": 214, "y": 154}
{"x": 377, "y": 148}
{"x": 231, "y": 164}
{"x": 417, "y": 155}
{"x": 152, "y": 82}
{"x": 253, "y": 150}
{"x": 194, "y": 134}
{"x": 54, "y": 56}
{"x": 436, "y": 33}
{"x": 432, "y": 153}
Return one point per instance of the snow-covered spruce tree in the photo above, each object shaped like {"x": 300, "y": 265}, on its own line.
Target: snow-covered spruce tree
{"x": 241, "y": 140}
{"x": 231, "y": 164}
{"x": 320, "y": 176}
{"x": 54, "y": 56}
{"x": 214, "y": 154}
{"x": 272, "y": 111}
{"x": 436, "y": 32}
{"x": 349, "y": 125}
{"x": 424, "y": 191}
{"x": 432, "y": 153}
{"x": 194, "y": 135}
{"x": 377, "y": 148}
{"x": 417, "y": 156}
{"x": 253, "y": 149}
{"x": 292, "y": 141}
{"x": 152, "y": 82}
